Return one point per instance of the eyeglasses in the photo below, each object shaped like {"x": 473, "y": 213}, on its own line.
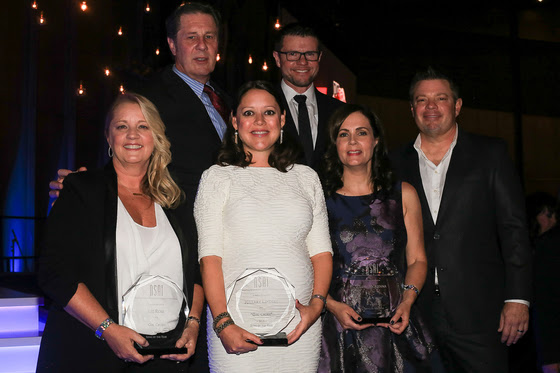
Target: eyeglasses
{"x": 295, "y": 56}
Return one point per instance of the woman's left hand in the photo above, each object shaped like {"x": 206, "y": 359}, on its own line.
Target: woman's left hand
{"x": 400, "y": 319}
{"x": 188, "y": 340}
{"x": 309, "y": 314}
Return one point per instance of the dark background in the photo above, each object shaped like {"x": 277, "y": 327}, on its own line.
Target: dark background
{"x": 504, "y": 55}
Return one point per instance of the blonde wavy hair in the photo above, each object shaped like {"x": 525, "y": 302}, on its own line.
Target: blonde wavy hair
{"x": 157, "y": 183}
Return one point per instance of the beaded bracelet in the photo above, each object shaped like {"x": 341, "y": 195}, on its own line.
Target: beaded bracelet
{"x": 224, "y": 325}
{"x": 411, "y": 287}
{"x": 193, "y": 318}
{"x": 104, "y": 325}
{"x": 218, "y": 318}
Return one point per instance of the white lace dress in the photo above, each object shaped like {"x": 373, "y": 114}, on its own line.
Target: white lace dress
{"x": 262, "y": 218}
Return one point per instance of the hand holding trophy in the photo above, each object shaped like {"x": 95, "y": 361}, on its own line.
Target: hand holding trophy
{"x": 262, "y": 301}
{"x": 156, "y": 307}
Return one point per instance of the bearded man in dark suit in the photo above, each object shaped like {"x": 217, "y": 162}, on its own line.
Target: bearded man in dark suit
{"x": 478, "y": 287}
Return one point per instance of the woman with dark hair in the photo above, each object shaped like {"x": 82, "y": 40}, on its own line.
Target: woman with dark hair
{"x": 258, "y": 210}
{"x": 110, "y": 232}
{"x": 379, "y": 259}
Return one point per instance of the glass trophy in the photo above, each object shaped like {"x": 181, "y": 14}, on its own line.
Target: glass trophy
{"x": 262, "y": 301}
{"x": 156, "y": 307}
{"x": 373, "y": 291}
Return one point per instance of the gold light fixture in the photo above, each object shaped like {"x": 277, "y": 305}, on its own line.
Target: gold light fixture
{"x": 81, "y": 91}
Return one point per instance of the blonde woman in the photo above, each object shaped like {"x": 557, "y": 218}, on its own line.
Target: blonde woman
{"x": 108, "y": 228}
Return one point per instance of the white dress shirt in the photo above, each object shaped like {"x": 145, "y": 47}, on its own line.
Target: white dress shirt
{"x": 311, "y": 104}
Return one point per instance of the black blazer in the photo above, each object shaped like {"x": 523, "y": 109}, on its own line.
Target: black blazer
{"x": 194, "y": 140}
{"x": 326, "y": 106}
{"x": 479, "y": 243}
{"x": 80, "y": 246}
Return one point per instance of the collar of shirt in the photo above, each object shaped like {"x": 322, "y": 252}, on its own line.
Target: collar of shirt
{"x": 433, "y": 177}
{"x": 195, "y": 85}
{"x": 289, "y": 93}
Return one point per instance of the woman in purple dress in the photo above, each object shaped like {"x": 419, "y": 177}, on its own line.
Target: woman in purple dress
{"x": 379, "y": 259}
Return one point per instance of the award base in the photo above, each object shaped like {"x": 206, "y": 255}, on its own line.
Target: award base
{"x": 279, "y": 339}
{"x": 375, "y": 320}
{"x": 158, "y": 351}
{"x": 163, "y": 343}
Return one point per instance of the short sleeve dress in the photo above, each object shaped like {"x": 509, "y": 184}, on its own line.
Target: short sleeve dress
{"x": 259, "y": 217}
{"x": 369, "y": 229}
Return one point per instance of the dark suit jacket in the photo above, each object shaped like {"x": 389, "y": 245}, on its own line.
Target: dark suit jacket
{"x": 479, "y": 243}
{"x": 194, "y": 140}
{"x": 80, "y": 246}
{"x": 326, "y": 106}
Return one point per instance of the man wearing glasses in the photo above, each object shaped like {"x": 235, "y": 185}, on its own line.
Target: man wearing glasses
{"x": 297, "y": 53}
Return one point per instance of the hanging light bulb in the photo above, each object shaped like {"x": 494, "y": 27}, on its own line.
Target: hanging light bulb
{"x": 277, "y": 24}
{"x": 121, "y": 88}
{"x": 34, "y": 5}
{"x": 83, "y": 7}
{"x": 157, "y": 52}
{"x": 250, "y": 60}
{"x": 120, "y": 31}
{"x": 265, "y": 66}
{"x": 147, "y": 7}
{"x": 42, "y": 19}
{"x": 218, "y": 57}
{"x": 81, "y": 91}
{"x": 107, "y": 71}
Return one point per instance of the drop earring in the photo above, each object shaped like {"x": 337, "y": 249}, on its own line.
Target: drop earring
{"x": 281, "y": 135}
{"x": 235, "y": 137}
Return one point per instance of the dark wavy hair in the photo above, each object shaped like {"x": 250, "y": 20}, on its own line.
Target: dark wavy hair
{"x": 382, "y": 177}
{"x": 231, "y": 154}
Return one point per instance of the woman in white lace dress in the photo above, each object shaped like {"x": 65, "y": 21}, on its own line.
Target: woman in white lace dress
{"x": 257, "y": 209}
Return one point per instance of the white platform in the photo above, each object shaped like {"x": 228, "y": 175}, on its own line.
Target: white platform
{"x": 19, "y": 331}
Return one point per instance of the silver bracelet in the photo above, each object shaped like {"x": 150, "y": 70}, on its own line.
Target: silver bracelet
{"x": 101, "y": 328}
{"x": 193, "y": 318}
{"x": 319, "y": 296}
{"x": 411, "y": 287}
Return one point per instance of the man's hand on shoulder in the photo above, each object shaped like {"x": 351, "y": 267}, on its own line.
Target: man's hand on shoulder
{"x": 56, "y": 185}
{"x": 514, "y": 322}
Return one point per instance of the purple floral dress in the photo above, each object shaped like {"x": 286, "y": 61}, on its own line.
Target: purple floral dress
{"x": 369, "y": 232}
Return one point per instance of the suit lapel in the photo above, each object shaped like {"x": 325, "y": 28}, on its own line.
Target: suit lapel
{"x": 290, "y": 126}
{"x": 186, "y": 96}
{"x": 455, "y": 174}
{"x": 412, "y": 170}
{"x": 109, "y": 239}
{"x": 323, "y": 113}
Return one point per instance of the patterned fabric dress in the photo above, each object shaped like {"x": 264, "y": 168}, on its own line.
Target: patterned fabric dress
{"x": 369, "y": 232}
